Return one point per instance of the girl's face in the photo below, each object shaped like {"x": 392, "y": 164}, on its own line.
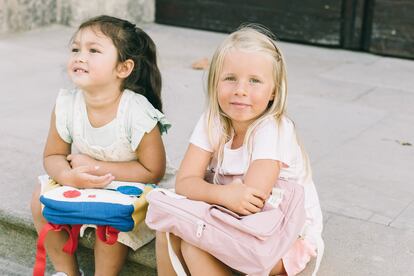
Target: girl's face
{"x": 245, "y": 86}
{"x": 93, "y": 59}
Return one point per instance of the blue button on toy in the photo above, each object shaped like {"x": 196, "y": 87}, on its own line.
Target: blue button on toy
{"x": 129, "y": 190}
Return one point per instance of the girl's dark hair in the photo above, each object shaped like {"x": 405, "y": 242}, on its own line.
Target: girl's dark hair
{"x": 133, "y": 43}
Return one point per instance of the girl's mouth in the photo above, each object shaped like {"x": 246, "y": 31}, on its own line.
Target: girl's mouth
{"x": 239, "y": 105}
{"x": 79, "y": 70}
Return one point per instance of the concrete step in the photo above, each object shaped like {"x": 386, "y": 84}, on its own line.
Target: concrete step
{"x": 11, "y": 268}
{"x": 18, "y": 249}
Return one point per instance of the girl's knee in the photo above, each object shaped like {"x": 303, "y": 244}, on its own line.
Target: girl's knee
{"x": 188, "y": 249}
{"x": 35, "y": 205}
{"x": 36, "y": 209}
{"x": 161, "y": 243}
{"x": 109, "y": 259}
{"x": 278, "y": 269}
{"x": 160, "y": 237}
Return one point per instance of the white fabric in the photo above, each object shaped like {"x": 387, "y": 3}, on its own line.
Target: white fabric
{"x": 135, "y": 117}
{"x": 269, "y": 141}
{"x": 175, "y": 261}
{"x": 320, "y": 245}
{"x": 101, "y": 136}
{"x": 64, "y": 274}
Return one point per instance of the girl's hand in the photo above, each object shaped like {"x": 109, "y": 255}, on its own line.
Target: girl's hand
{"x": 78, "y": 160}
{"x": 243, "y": 199}
{"x": 83, "y": 177}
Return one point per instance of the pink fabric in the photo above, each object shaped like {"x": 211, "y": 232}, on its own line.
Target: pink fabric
{"x": 250, "y": 243}
{"x": 298, "y": 256}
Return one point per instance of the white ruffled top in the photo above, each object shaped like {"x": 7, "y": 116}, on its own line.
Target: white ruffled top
{"x": 115, "y": 141}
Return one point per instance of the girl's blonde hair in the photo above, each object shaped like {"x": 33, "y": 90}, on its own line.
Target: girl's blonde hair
{"x": 250, "y": 38}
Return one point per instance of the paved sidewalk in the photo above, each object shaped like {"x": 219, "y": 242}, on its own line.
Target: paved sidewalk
{"x": 354, "y": 113}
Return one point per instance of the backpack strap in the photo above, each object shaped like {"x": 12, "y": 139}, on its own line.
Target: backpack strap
{"x": 320, "y": 247}
{"x": 69, "y": 247}
{"x": 107, "y": 234}
{"x": 178, "y": 267}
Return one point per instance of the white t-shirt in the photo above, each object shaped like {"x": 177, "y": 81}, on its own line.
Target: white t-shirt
{"x": 269, "y": 141}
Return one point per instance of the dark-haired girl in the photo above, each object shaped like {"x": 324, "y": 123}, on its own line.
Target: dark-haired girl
{"x": 113, "y": 118}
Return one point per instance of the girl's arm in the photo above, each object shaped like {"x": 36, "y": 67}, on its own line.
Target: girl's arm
{"x": 57, "y": 167}
{"x": 236, "y": 196}
{"x": 190, "y": 177}
{"x": 262, "y": 174}
{"x": 149, "y": 168}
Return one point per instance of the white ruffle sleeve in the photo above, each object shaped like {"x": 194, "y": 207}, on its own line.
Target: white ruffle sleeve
{"x": 142, "y": 118}
{"x": 64, "y": 114}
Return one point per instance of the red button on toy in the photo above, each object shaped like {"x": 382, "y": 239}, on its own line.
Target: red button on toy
{"x": 71, "y": 194}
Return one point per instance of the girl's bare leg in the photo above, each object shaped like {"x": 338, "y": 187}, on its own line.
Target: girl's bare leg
{"x": 278, "y": 269}
{"x": 109, "y": 259}
{"x": 200, "y": 262}
{"x": 164, "y": 266}
{"x": 54, "y": 241}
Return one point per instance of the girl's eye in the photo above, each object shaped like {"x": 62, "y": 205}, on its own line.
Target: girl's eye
{"x": 74, "y": 50}
{"x": 94, "y": 51}
{"x": 254, "y": 81}
{"x": 230, "y": 78}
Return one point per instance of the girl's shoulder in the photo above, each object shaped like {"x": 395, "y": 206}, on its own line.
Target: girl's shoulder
{"x": 270, "y": 125}
{"x": 141, "y": 113}
{"x": 138, "y": 105}
{"x": 67, "y": 95}
{"x": 64, "y": 110}
{"x": 65, "y": 101}
{"x": 274, "y": 139}
{"x": 139, "y": 100}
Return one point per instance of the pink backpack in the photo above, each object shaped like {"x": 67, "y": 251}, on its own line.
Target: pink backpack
{"x": 250, "y": 244}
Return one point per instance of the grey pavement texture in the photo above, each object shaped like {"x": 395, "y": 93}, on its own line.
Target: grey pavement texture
{"x": 354, "y": 112}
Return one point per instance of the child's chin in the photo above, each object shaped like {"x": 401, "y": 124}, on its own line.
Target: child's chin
{"x": 79, "y": 84}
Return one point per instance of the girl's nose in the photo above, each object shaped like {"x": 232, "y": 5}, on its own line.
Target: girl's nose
{"x": 240, "y": 89}
{"x": 80, "y": 57}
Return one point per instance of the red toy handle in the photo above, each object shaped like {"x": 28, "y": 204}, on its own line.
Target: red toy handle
{"x": 69, "y": 247}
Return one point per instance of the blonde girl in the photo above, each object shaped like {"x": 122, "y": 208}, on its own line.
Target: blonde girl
{"x": 243, "y": 143}
{"x": 113, "y": 118}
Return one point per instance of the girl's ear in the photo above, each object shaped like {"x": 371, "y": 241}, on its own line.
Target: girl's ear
{"x": 125, "y": 68}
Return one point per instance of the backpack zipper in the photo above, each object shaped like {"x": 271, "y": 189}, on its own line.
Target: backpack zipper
{"x": 187, "y": 217}
{"x": 200, "y": 228}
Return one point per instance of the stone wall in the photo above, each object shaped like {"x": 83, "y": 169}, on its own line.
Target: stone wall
{"x": 73, "y": 12}
{"x": 22, "y": 15}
